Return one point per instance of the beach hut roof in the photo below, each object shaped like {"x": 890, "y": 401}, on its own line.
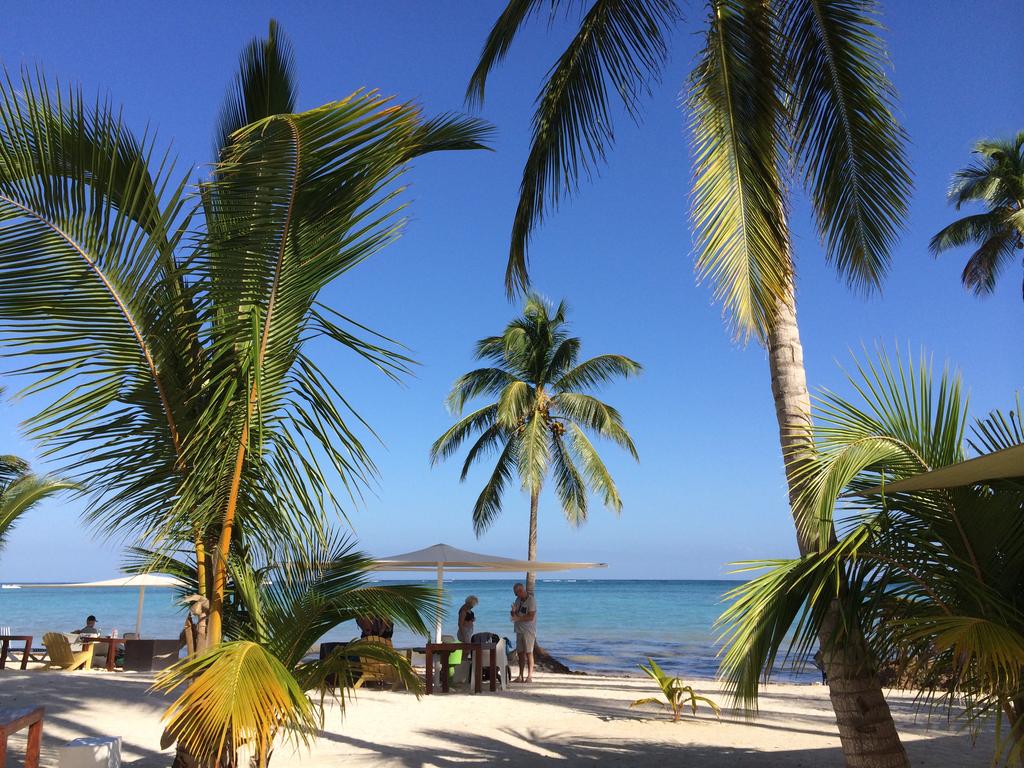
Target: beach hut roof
{"x": 454, "y": 559}
{"x": 999, "y": 465}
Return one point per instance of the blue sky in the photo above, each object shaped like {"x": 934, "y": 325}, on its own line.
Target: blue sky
{"x": 709, "y": 487}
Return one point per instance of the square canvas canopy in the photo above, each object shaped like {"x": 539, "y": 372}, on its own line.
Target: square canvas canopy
{"x": 141, "y": 581}
{"x": 999, "y": 465}
{"x": 441, "y": 557}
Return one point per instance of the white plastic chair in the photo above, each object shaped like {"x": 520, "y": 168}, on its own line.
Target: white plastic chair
{"x": 501, "y": 661}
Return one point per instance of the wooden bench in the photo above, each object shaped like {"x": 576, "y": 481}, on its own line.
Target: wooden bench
{"x": 13, "y": 720}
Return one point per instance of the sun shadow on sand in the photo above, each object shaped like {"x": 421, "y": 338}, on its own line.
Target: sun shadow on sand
{"x": 530, "y": 748}
{"x": 63, "y": 694}
{"x": 528, "y": 725}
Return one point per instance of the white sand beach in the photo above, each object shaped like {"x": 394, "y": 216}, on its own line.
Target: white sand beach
{"x": 568, "y": 720}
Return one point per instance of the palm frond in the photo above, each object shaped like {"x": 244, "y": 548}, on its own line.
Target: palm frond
{"x": 517, "y": 401}
{"x": 489, "y": 440}
{"x": 488, "y": 503}
{"x": 596, "y": 371}
{"x": 237, "y": 694}
{"x": 569, "y": 483}
{"x": 21, "y": 494}
{"x": 534, "y": 454}
{"x": 999, "y": 430}
{"x": 482, "y": 381}
{"x": 498, "y": 42}
{"x": 738, "y": 206}
{"x": 996, "y": 178}
{"x": 264, "y": 85}
{"x": 95, "y": 299}
{"x": 596, "y": 473}
{"x": 845, "y": 133}
{"x": 344, "y": 664}
{"x": 621, "y": 46}
{"x": 968, "y": 229}
{"x": 308, "y": 590}
{"x": 449, "y": 443}
{"x": 986, "y": 264}
{"x": 593, "y": 414}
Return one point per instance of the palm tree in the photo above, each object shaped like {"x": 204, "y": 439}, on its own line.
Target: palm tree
{"x": 20, "y": 491}
{"x": 779, "y": 84}
{"x": 540, "y": 419}
{"x": 931, "y": 580}
{"x": 996, "y": 181}
{"x": 258, "y": 687}
{"x": 171, "y": 324}
{"x": 163, "y": 338}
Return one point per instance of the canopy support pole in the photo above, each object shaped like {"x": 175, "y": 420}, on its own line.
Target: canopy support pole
{"x": 440, "y": 602}
{"x": 138, "y": 614}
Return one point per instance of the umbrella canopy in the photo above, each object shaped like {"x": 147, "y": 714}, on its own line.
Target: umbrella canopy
{"x": 441, "y": 557}
{"x": 1000, "y": 465}
{"x": 140, "y": 581}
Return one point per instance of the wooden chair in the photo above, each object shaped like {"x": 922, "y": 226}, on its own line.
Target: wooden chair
{"x": 373, "y": 671}
{"x": 61, "y": 655}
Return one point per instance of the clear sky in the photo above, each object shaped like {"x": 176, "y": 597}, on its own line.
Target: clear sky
{"x": 709, "y": 487}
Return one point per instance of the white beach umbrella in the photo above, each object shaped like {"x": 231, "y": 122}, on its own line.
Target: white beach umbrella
{"x": 141, "y": 581}
{"x": 998, "y": 465}
{"x": 442, "y": 557}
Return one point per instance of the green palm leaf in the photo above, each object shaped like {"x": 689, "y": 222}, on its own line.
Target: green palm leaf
{"x": 738, "y": 207}
{"x": 620, "y": 47}
{"x": 95, "y": 297}
{"x": 239, "y": 695}
{"x": 569, "y": 483}
{"x": 488, "y": 503}
{"x": 264, "y": 85}
{"x": 845, "y": 133}
{"x": 448, "y": 444}
{"x": 20, "y": 491}
{"x": 596, "y": 371}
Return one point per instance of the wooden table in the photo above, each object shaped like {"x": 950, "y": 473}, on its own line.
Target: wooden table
{"x": 112, "y": 644}
{"x": 444, "y": 650}
{"x": 13, "y": 720}
{"x": 5, "y": 646}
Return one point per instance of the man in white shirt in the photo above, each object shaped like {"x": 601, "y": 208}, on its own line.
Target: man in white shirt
{"x": 524, "y": 619}
{"x": 90, "y": 628}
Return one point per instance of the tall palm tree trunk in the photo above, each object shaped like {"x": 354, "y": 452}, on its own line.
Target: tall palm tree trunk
{"x": 866, "y": 728}
{"x": 531, "y": 547}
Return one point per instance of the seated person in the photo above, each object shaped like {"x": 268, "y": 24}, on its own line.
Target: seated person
{"x": 90, "y": 629}
{"x": 375, "y": 626}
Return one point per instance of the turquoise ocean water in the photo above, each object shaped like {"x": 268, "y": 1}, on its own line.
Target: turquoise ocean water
{"x": 592, "y": 625}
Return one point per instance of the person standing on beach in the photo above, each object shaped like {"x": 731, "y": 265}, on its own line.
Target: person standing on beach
{"x": 467, "y": 619}
{"x": 524, "y": 619}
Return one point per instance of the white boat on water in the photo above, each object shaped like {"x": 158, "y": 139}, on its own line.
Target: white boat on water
{"x": 9, "y": 586}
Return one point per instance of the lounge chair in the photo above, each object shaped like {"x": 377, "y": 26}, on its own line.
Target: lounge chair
{"x": 61, "y": 655}
{"x": 373, "y": 671}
